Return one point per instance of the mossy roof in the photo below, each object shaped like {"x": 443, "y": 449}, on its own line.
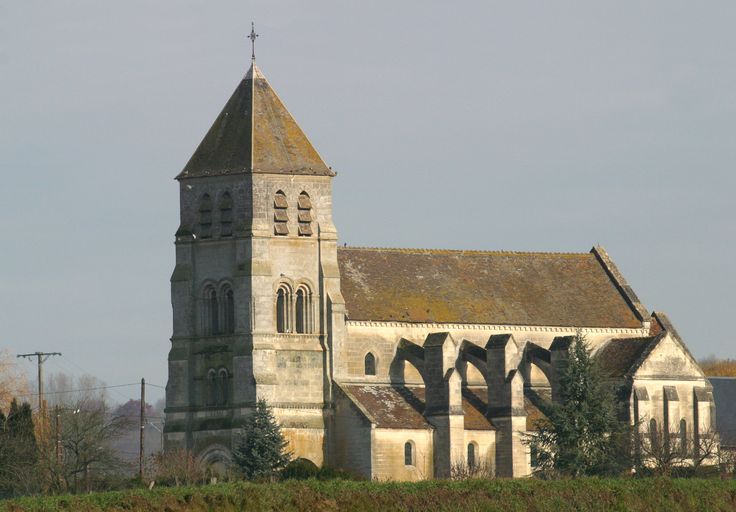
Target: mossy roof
{"x": 403, "y": 407}
{"x": 478, "y": 287}
{"x": 618, "y": 356}
{"x": 254, "y": 133}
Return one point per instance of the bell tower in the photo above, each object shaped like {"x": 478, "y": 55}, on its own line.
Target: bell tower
{"x": 255, "y": 289}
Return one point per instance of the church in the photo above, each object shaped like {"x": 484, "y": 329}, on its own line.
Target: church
{"x": 398, "y": 364}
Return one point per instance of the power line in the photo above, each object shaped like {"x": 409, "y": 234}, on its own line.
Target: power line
{"x": 80, "y": 390}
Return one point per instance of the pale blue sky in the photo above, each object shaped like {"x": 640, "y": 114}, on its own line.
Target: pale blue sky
{"x": 547, "y": 126}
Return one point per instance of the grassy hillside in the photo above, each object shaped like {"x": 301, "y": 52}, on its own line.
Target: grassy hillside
{"x": 501, "y": 495}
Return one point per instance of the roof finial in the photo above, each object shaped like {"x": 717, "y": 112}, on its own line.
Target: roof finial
{"x": 252, "y": 38}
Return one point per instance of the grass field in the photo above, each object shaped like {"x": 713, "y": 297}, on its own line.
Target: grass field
{"x": 467, "y": 496}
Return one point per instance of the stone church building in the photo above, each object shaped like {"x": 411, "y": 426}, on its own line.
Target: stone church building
{"x": 390, "y": 363}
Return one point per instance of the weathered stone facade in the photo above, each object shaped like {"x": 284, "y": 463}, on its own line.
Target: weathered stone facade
{"x": 394, "y": 364}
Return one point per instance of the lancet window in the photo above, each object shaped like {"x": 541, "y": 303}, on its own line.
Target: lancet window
{"x": 222, "y": 386}
{"x": 211, "y": 311}
{"x": 211, "y": 390}
{"x": 471, "y": 456}
{"x": 370, "y": 364}
{"x": 408, "y": 454}
{"x": 228, "y": 310}
{"x": 283, "y": 308}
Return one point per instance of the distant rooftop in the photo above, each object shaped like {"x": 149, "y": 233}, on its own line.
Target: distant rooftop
{"x": 724, "y": 395}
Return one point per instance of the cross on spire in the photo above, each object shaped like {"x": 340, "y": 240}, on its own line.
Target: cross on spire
{"x": 252, "y": 38}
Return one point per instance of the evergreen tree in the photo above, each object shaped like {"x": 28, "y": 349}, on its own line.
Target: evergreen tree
{"x": 18, "y": 450}
{"x": 582, "y": 434}
{"x": 261, "y": 452}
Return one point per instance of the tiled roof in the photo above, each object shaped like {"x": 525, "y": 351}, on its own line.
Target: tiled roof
{"x": 533, "y": 404}
{"x": 476, "y": 287}
{"x": 618, "y": 356}
{"x": 402, "y": 407}
{"x": 724, "y": 395}
{"x": 254, "y": 133}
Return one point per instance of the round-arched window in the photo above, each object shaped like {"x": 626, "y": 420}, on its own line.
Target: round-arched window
{"x": 370, "y": 364}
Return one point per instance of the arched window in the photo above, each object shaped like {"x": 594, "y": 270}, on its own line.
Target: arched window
{"x": 205, "y": 217}
{"x": 226, "y": 215}
{"x": 305, "y": 215}
{"x": 283, "y": 298}
{"x": 408, "y": 454}
{"x": 229, "y": 311}
{"x": 370, "y": 364}
{"x": 222, "y": 387}
{"x": 653, "y": 434}
{"x": 683, "y": 437}
{"x": 211, "y": 311}
{"x": 301, "y": 311}
{"x": 211, "y": 388}
{"x": 471, "y": 456}
{"x": 280, "y": 214}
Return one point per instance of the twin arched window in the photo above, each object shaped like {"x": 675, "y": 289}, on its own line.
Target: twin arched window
{"x": 294, "y": 311}
{"x": 218, "y": 312}
{"x": 217, "y": 387}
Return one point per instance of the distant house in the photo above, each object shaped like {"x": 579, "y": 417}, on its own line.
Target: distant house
{"x": 724, "y": 394}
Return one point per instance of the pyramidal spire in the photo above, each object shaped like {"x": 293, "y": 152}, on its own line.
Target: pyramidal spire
{"x": 255, "y": 133}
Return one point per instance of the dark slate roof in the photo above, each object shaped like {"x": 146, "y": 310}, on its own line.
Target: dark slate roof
{"x": 254, "y": 133}
{"x": 619, "y": 356}
{"x": 724, "y": 395}
{"x": 402, "y": 407}
{"x": 477, "y": 287}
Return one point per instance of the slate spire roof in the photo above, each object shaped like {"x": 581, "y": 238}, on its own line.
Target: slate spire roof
{"x": 255, "y": 133}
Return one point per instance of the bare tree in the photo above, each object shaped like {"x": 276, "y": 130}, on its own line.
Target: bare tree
{"x": 464, "y": 471}
{"x": 664, "y": 451}
{"x": 87, "y": 435}
{"x": 13, "y": 381}
{"x": 176, "y": 467}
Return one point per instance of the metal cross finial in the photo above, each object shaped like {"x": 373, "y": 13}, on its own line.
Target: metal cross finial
{"x": 252, "y": 38}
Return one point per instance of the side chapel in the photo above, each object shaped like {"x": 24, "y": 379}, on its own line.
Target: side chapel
{"x": 390, "y": 363}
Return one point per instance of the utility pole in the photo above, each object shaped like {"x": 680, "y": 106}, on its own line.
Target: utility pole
{"x": 41, "y": 358}
{"x": 143, "y": 427}
{"x": 57, "y": 436}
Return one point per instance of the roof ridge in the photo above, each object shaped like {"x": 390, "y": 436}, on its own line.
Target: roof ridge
{"x": 463, "y": 251}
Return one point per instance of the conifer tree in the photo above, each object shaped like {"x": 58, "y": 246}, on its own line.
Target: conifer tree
{"x": 261, "y": 452}
{"x": 582, "y": 434}
{"x": 18, "y": 450}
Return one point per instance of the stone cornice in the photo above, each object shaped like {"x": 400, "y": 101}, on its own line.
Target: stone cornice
{"x": 500, "y": 328}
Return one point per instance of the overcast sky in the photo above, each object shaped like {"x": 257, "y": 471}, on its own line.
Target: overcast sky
{"x": 541, "y": 126}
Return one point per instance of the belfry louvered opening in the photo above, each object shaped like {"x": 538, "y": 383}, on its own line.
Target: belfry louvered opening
{"x": 280, "y": 214}
{"x": 226, "y": 215}
{"x": 205, "y": 217}
{"x": 305, "y": 215}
